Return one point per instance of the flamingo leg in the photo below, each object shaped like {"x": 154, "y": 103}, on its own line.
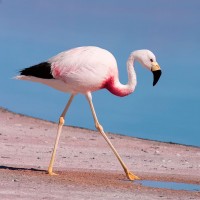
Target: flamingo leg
{"x": 129, "y": 174}
{"x": 60, "y": 125}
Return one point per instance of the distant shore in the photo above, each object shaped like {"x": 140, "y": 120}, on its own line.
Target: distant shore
{"x": 86, "y": 166}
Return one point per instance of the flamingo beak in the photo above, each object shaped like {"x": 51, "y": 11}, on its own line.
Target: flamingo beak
{"x": 156, "y": 72}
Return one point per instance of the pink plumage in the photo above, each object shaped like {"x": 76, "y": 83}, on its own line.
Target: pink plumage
{"x": 83, "y": 69}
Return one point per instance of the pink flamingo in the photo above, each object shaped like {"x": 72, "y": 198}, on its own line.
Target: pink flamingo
{"x": 85, "y": 70}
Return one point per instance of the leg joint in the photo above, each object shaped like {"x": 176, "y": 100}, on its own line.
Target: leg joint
{"x": 98, "y": 126}
{"x": 61, "y": 121}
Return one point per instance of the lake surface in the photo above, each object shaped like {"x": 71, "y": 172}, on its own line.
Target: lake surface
{"x": 169, "y": 185}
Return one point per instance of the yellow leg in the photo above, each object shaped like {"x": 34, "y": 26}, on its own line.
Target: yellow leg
{"x": 129, "y": 174}
{"x": 60, "y": 125}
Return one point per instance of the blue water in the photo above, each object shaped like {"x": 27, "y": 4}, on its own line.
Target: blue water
{"x": 169, "y": 185}
{"x": 33, "y": 31}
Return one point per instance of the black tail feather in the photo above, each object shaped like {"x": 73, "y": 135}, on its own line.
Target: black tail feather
{"x": 42, "y": 70}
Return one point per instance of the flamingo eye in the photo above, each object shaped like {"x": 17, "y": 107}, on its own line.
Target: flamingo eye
{"x": 151, "y": 60}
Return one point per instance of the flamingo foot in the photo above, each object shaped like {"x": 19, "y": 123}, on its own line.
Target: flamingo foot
{"x": 131, "y": 176}
{"x": 51, "y": 173}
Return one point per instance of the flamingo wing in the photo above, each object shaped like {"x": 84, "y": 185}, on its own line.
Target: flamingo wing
{"x": 83, "y": 68}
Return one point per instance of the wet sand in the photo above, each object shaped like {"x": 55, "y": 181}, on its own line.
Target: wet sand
{"x": 86, "y": 166}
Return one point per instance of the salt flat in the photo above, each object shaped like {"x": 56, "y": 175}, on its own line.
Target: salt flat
{"x": 86, "y": 166}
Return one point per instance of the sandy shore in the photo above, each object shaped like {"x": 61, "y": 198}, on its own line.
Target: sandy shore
{"x": 86, "y": 166}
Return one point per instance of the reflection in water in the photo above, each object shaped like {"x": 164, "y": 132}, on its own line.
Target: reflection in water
{"x": 169, "y": 185}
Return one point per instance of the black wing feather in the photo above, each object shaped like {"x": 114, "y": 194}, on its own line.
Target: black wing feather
{"x": 42, "y": 70}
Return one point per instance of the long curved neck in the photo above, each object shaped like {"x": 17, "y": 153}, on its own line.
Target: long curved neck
{"x": 114, "y": 85}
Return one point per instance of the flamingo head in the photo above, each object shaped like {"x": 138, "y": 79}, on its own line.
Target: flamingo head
{"x": 148, "y": 60}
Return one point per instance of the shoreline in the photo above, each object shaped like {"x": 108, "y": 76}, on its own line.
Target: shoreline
{"x": 2, "y": 109}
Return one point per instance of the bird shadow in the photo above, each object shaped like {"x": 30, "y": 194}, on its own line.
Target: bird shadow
{"x": 21, "y": 169}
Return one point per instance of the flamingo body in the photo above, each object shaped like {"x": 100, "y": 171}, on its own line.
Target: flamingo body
{"x": 79, "y": 70}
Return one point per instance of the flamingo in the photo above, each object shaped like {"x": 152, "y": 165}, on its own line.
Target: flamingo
{"x": 86, "y": 69}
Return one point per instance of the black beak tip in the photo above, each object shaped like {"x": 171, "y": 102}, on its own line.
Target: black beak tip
{"x": 156, "y": 76}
